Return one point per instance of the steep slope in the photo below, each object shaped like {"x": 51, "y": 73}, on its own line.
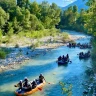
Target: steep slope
{"x": 79, "y": 3}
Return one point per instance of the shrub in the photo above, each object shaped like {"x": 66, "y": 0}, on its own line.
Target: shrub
{"x": 37, "y": 44}
{"x": 16, "y": 46}
{"x": 31, "y": 46}
{"x": 72, "y": 41}
{"x": 5, "y": 40}
{"x": 65, "y": 37}
{"x": 2, "y": 54}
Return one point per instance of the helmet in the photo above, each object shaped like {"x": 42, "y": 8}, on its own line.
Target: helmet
{"x": 26, "y": 79}
{"x": 36, "y": 79}
{"x": 41, "y": 74}
{"x": 20, "y": 80}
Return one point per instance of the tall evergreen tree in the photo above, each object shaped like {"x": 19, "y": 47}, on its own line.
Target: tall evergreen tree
{"x": 3, "y": 17}
{"x": 23, "y": 3}
{"x": 7, "y": 4}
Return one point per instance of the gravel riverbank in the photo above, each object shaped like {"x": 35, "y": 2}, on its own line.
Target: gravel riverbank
{"x": 19, "y": 55}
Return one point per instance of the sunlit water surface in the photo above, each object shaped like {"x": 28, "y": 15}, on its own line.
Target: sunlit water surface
{"x": 73, "y": 73}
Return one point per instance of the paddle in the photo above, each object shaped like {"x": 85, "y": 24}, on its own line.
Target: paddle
{"x": 70, "y": 62}
{"x": 49, "y": 82}
{"x": 15, "y": 86}
{"x": 40, "y": 88}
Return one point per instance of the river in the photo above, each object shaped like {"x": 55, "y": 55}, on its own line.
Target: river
{"x": 73, "y": 73}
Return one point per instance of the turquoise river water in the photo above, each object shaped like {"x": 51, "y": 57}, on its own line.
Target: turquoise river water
{"x": 73, "y": 73}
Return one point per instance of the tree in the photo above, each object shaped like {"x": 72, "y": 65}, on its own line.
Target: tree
{"x": 91, "y": 17}
{"x": 26, "y": 18}
{"x": 44, "y": 6}
{"x": 20, "y": 3}
{"x": 10, "y": 32}
{"x": 54, "y": 15}
{"x": 75, "y": 9}
{"x": 35, "y": 9}
{"x": 7, "y": 4}
{"x": 15, "y": 25}
{"x": 33, "y": 22}
{"x": 23, "y": 3}
{"x": 50, "y": 14}
{"x": 1, "y": 33}
{"x": 3, "y": 17}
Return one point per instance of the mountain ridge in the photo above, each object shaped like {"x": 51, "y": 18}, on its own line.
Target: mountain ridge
{"x": 79, "y": 3}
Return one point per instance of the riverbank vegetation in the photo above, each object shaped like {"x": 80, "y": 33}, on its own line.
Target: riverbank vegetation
{"x": 4, "y": 52}
{"x": 24, "y": 19}
{"x": 27, "y": 17}
{"x": 34, "y": 20}
{"x": 66, "y": 88}
{"x": 83, "y": 21}
{"x": 94, "y": 55}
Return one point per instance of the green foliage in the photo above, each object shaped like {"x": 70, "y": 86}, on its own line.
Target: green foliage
{"x": 3, "y": 17}
{"x": 72, "y": 20}
{"x": 4, "y": 52}
{"x": 35, "y": 9}
{"x": 23, "y": 3}
{"x": 66, "y": 88}
{"x": 75, "y": 9}
{"x": 7, "y": 4}
{"x": 35, "y": 23}
{"x": 84, "y": 21}
{"x": 5, "y": 39}
{"x": 37, "y": 44}
{"x": 16, "y": 26}
{"x": 91, "y": 17}
{"x": 10, "y": 32}
{"x": 50, "y": 15}
{"x": 6, "y": 27}
{"x": 1, "y": 34}
{"x": 16, "y": 46}
{"x": 93, "y": 54}
{"x": 31, "y": 16}
{"x": 33, "y": 46}
{"x": 28, "y": 16}
{"x": 65, "y": 37}
{"x": 69, "y": 17}
{"x": 89, "y": 72}
{"x": 40, "y": 33}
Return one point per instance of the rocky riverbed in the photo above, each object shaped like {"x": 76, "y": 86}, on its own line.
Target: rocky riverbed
{"x": 23, "y": 53}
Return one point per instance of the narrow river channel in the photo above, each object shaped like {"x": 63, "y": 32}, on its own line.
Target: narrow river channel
{"x": 73, "y": 73}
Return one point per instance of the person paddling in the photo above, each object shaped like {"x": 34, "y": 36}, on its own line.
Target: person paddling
{"x": 67, "y": 56}
{"x": 41, "y": 78}
{"x": 29, "y": 87}
{"x": 20, "y": 84}
{"x": 25, "y": 84}
{"x": 34, "y": 84}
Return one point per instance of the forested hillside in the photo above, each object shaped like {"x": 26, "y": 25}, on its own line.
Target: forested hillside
{"x": 80, "y": 3}
{"x": 26, "y": 16}
{"x": 84, "y": 21}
